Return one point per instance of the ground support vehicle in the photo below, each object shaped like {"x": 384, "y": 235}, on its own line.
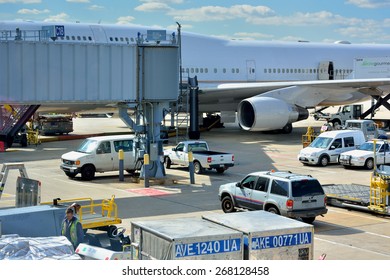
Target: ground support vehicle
{"x": 93, "y": 215}
{"x": 350, "y": 112}
{"x": 364, "y": 156}
{"x": 100, "y": 154}
{"x": 203, "y": 158}
{"x": 53, "y": 124}
{"x": 327, "y": 147}
{"x": 285, "y": 193}
{"x": 373, "y": 198}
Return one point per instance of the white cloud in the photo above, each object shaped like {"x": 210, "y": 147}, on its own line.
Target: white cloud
{"x": 58, "y": 18}
{"x": 33, "y": 11}
{"x": 125, "y": 20}
{"x": 95, "y": 8}
{"x": 153, "y": 7}
{"x": 219, "y": 13}
{"x": 20, "y": 1}
{"x": 371, "y": 4}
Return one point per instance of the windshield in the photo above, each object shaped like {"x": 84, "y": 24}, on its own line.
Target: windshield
{"x": 321, "y": 142}
{"x": 369, "y": 146}
{"x": 306, "y": 188}
{"x": 87, "y": 146}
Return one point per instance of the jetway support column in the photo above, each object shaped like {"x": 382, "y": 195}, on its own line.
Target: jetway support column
{"x": 194, "y": 132}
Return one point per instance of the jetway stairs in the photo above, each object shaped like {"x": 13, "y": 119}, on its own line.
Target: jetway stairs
{"x": 12, "y": 119}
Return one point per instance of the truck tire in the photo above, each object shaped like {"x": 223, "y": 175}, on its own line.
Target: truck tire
{"x": 198, "y": 169}
{"x": 220, "y": 170}
{"x": 24, "y": 141}
{"x": 167, "y": 163}
{"x": 369, "y": 164}
{"x": 88, "y": 172}
{"x": 323, "y": 161}
{"x": 336, "y": 123}
{"x": 308, "y": 220}
{"x": 228, "y": 205}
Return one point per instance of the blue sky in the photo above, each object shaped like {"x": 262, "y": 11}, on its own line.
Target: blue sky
{"x": 358, "y": 21}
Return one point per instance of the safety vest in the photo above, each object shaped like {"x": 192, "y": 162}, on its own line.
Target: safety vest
{"x": 72, "y": 231}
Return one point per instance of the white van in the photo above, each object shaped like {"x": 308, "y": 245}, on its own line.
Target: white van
{"x": 328, "y": 146}
{"x": 100, "y": 154}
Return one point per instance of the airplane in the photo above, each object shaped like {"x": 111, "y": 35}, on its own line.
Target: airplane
{"x": 268, "y": 85}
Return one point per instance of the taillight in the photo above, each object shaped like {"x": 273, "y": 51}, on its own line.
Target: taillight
{"x": 289, "y": 204}
{"x": 325, "y": 200}
{"x": 232, "y": 157}
{"x": 209, "y": 159}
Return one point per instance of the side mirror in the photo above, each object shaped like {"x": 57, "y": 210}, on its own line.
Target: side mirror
{"x": 174, "y": 149}
{"x": 238, "y": 185}
{"x": 332, "y": 148}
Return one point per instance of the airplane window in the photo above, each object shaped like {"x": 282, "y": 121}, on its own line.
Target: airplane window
{"x": 253, "y": 70}
{"x": 121, "y": 39}
{"x": 233, "y": 70}
{"x": 215, "y": 70}
{"x": 237, "y": 70}
{"x": 89, "y": 38}
{"x": 127, "y": 39}
{"x": 187, "y": 70}
{"x": 224, "y": 70}
{"x": 84, "y": 38}
{"x": 274, "y": 70}
{"x": 287, "y": 70}
{"x": 111, "y": 39}
{"x": 132, "y": 39}
{"x": 67, "y": 37}
{"x": 79, "y": 38}
{"x": 265, "y": 70}
{"x": 206, "y": 70}
{"x": 201, "y": 70}
{"x": 192, "y": 70}
{"x": 278, "y": 70}
{"x": 116, "y": 39}
{"x": 283, "y": 70}
{"x": 295, "y": 70}
{"x": 196, "y": 70}
{"x": 73, "y": 38}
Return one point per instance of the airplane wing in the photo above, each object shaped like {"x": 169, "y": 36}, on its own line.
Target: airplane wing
{"x": 307, "y": 93}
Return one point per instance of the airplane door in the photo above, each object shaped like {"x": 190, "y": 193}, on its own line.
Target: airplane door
{"x": 99, "y": 34}
{"x": 251, "y": 70}
{"x": 325, "y": 70}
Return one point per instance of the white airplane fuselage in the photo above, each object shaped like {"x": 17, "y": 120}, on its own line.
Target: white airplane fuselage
{"x": 230, "y": 71}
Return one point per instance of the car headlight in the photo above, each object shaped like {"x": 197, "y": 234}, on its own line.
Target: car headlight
{"x": 313, "y": 154}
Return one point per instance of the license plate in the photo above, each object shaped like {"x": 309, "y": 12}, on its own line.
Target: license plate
{"x": 221, "y": 165}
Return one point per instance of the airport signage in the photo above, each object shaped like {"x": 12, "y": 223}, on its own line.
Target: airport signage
{"x": 284, "y": 240}
{"x": 207, "y": 247}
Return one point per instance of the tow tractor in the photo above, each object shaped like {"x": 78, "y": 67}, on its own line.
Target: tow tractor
{"x": 374, "y": 198}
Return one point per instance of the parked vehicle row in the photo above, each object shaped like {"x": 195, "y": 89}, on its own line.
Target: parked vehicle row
{"x": 346, "y": 147}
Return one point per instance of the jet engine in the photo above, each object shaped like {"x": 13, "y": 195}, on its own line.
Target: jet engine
{"x": 268, "y": 113}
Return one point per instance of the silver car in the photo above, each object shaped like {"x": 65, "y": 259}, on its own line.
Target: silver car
{"x": 284, "y": 193}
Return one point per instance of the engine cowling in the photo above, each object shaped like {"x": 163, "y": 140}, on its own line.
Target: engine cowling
{"x": 268, "y": 113}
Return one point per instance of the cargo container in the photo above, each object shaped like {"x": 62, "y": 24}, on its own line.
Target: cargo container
{"x": 185, "y": 239}
{"x": 268, "y": 236}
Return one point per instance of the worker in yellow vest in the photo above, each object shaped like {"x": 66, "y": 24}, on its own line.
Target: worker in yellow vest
{"x": 72, "y": 228}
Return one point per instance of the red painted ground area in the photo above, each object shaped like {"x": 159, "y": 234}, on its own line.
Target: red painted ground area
{"x": 149, "y": 192}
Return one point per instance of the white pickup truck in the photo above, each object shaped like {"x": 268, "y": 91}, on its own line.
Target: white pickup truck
{"x": 203, "y": 158}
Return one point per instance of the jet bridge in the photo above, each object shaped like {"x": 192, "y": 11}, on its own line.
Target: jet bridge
{"x": 143, "y": 76}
